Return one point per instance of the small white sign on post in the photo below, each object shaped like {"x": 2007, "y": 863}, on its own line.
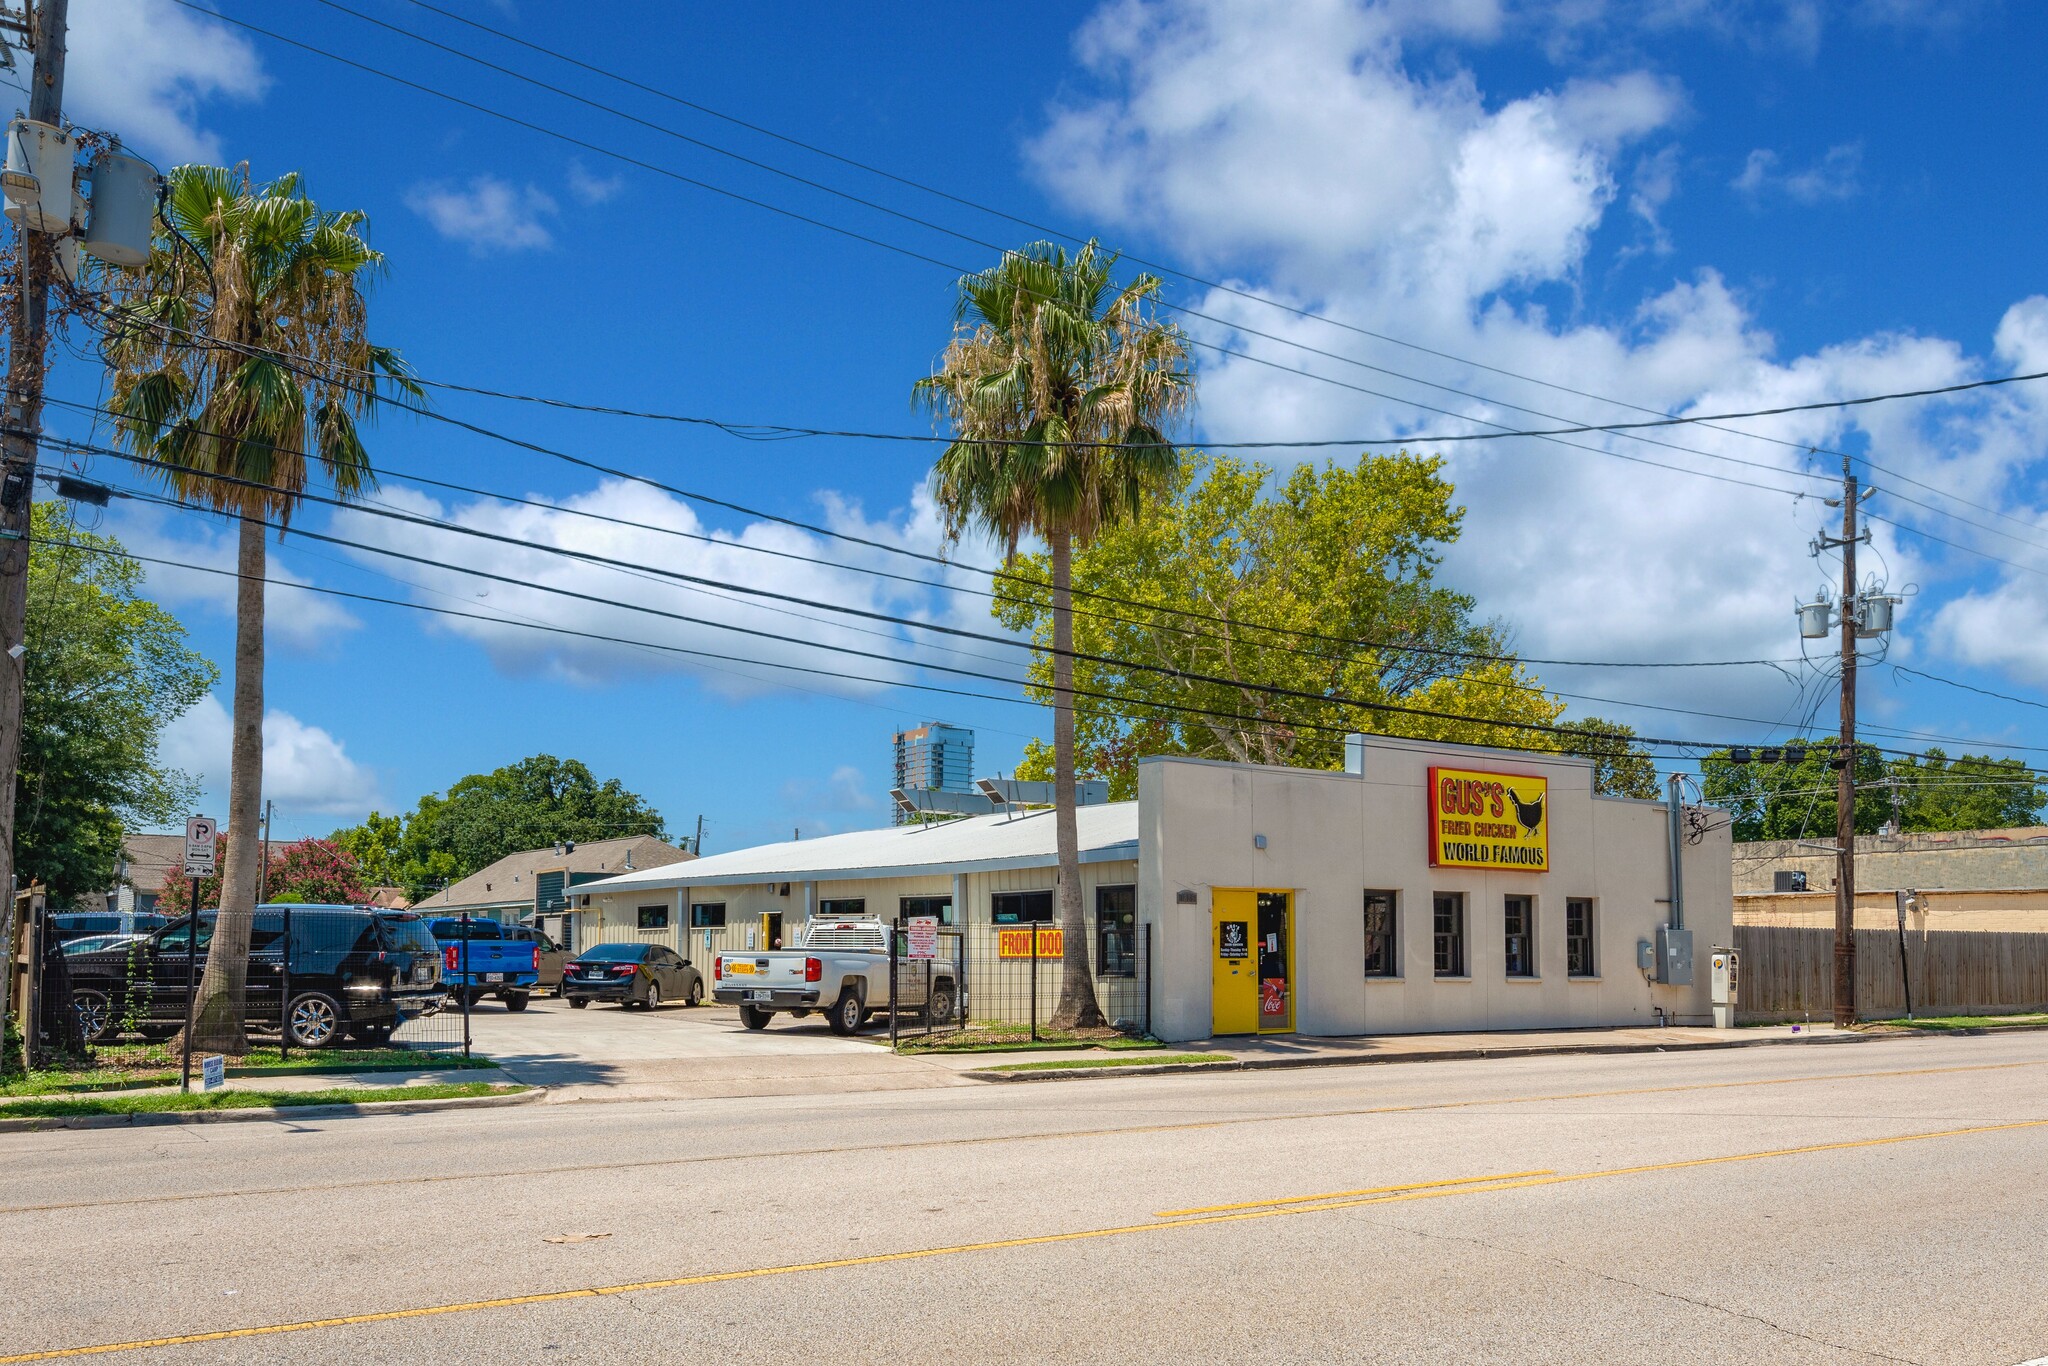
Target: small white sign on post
{"x": 200, "y": 834}
{"x": 923, "y": 936}
{"x": 213, "y": 1072}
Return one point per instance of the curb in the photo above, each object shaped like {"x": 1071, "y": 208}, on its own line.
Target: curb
{"x": 1454, "y": 1055}
{"x": 46, "y": 1123}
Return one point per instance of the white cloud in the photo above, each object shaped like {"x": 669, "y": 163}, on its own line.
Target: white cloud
{"x": 776, "y": 631}
{"x": 301, "y": 621}
{"x": 145, "y": 68}
{"x": 1834, "y": 176}
{"x": 1301, "y": 152}
{"x": 489, "y": 215}
{"x": 593, "y": 189}
{"x": 306, "y": 770}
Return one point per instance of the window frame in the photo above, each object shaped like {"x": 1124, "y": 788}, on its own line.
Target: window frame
{"x": 661, "y": 917}
{"x": 995, "y": 913}
{"x": 1390, "y": 937}
{"x": 940, "y": 906}
{"x": 700, "y": 915}
{"x": 1588, "y": 936}
{"x": 1511, "y": 904}
{"x": 1128, "y": 926}
{"x": 835, "y": 909}
{"x": 1454, "y": 964}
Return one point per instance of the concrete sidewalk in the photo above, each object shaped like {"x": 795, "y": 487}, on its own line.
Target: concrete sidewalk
{"x": 1294, "y": 1050}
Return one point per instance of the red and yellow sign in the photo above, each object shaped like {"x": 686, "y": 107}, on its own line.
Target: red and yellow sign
{"x": 1017, "y": 943}
{"x": 1488, "y": 820}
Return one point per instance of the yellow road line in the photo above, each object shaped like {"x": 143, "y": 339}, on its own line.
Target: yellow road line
{"x": 995, "y": 1245}
{"x": 1339, "y": 1195}
{"x": 527, "y": 1173}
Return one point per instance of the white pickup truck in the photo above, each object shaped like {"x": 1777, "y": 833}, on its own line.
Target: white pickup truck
{"x": 840, "y": 970}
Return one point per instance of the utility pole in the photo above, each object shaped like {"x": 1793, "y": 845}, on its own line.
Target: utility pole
{"x": 1845, "y": 783}
{"x": 263, "y": 874}
{"x": 697, "y": 844}
{"x": 28, "y": 341}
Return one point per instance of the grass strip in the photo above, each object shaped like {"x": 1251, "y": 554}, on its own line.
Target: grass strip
{"x": 259, "y": 1063}
{"x": 1937, "y": 1023}
{"x": 956, "y": 1043}
{"x": 1061, "y": 1064}
{"x": 67, "y": 1106}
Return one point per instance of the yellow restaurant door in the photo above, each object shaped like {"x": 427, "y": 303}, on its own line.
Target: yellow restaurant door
{"x": 1234, "y": 1003}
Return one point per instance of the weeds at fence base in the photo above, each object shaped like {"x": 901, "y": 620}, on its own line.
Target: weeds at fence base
{"x": 127, "y": 1067}
{"x": 1004, "y": 1037}
{"x": 67, "y": 1106}
{"x": 1063, "y": 1064}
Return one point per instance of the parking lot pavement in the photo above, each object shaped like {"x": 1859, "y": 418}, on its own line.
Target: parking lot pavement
{"x": 605, "y": 1052}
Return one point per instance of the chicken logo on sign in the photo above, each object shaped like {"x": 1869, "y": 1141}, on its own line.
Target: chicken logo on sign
{"x": 1479, "y": 819}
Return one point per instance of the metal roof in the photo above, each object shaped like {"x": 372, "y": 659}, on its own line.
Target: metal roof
{"x": 973, "y": 844}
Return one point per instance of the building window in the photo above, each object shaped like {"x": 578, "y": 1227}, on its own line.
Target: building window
{"x": 1578, "y": 937}
{"x": 707, "y": 915}
{"x": 1450, "y": 934}
{"x": 1021, "y": 908}
{"x": 654, "y": 917}
{"x": 845, "y": 908}
{"x": 1379, "y": 935}
{"x": 1116, "y": 931}
{"x": 940, "y": 906}
{"x": 1518, "y": 930}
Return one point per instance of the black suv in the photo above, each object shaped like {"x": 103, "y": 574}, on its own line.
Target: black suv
{"x": 354, "y": 971}
{"x": 69, "y": 925}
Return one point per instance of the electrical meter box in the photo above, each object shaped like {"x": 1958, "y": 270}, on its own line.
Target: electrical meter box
{"x": 1674, "y": 957}
{"x": 1646, "y": 957}
{"x": 1724, "y": 985}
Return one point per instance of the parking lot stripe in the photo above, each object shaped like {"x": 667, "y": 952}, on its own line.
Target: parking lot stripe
{"x": 994, "y": 1245}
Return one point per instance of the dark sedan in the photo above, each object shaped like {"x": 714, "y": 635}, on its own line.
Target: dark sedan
{"x": 641, "y": 975}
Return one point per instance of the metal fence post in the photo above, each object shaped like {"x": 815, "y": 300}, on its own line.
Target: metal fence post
{"x": 284, "y": 988}
{"x": 191, "y": 983}
{"x": 1034, "y": 983}
{"x": 466, "y": 993}
{"x": 1147, "y": 941}
{"x": 892, "y": 987}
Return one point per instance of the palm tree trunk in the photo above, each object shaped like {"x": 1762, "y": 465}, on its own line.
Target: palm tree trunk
{"x": 1077, "y": 1008}
{"x": 219, "y": 1015}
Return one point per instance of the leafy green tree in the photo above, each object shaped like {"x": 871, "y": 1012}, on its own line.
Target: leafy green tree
{"x": 243, "y": 360}
{"x": 1058, "y": 387}
{"x": 534, "y": 803}
{"x": 1621, "y": 768}
{"x": 319, "y": 872}
{"x": 1324, "y": 586}
{"x": 1786, "y": 801}
{"x": 107, "y": 670}
{"x": 1970, "y": 792}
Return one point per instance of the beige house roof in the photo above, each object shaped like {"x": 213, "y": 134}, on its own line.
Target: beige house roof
{"x": 509, "y": 881}
{"x": 152, "y": 860}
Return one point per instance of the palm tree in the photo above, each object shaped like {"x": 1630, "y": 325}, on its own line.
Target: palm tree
{"x": 1058, "y": 386}
{"x": 240, "y": 350}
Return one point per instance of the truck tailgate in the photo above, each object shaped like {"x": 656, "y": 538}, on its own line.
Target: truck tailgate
{"x": 780, "y": 968}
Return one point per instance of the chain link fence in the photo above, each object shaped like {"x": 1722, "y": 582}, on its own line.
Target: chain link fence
{"x": 1008, "y": 980}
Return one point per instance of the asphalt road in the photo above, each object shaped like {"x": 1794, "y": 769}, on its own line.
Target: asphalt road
{"x": 1878, "y": 1202}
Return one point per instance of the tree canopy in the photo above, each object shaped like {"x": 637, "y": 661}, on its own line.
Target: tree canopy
{"x": 1930, "y": 791}
{"x": 1323, "y": 585}
{"x": 107, "y": 670}
{"x": 315, "y": 871}
{"x": 536, "y": 802}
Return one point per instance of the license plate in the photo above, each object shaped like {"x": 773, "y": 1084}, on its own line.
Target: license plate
{"x": 760, "y": 996}
{"x": 494, "y": 977}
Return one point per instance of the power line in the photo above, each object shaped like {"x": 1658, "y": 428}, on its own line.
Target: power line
{"x": 1967, "y": 687}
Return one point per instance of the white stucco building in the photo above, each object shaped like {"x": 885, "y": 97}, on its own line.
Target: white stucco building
{"x": 1433, "y": 887}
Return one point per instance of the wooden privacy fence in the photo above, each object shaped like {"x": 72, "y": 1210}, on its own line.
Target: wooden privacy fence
{"x": 1788, "y": 972}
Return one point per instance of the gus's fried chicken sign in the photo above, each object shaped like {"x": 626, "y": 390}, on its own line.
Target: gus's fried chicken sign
{"x": 1488, "y": 820}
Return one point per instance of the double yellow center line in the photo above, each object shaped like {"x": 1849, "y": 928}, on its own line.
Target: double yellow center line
{"x": 1280, "y": 1207}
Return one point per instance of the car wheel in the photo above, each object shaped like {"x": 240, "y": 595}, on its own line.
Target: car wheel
{"x": 754, "y": 1017}
{"x": 314, "y": 1020}
{"x": 696, "y": 993}
{"x": 578, "y": 1002}
{"x": 95, "y": 1014}
{"x": 653, "y": 1001}
{"x": 847, "y": 1016}
{"x": 515, "y": 1000}
{"x": 940, "y": 1007}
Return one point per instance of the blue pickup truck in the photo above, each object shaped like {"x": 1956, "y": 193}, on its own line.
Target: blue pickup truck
{"x": 478, "y": 958}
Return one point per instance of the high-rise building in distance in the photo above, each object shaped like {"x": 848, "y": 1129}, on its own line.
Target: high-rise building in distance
{"x": 934, "y": 755}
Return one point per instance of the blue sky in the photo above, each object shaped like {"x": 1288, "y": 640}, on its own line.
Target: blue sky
{"x": 1682, "y": 205}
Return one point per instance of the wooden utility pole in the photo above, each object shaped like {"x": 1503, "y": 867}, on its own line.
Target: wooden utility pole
{"x": 28, "y": 344}
{"x": 1845, "y": 783}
